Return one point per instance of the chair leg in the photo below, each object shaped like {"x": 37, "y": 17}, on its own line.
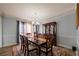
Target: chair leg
{"x": 24, "y": 52}
{"x": 27, "y": 53}
{"x": 46, "y": 53}
{"x": 23, "y": 48}
{"x": 51, "y": 52}
{"x": 37, "y": 52}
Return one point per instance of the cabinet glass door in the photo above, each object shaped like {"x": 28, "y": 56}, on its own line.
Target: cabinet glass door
{"x": 51, "y": 29}
{"x": 47, "y": 30}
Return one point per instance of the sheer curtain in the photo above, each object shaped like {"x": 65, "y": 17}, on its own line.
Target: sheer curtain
{"x": 23, "y": 28}
{"x": 29, "y": 28}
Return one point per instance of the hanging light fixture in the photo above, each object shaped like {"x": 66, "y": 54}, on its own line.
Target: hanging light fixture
{"x": 35, "y": 21}
{"x": 36, "y": 25}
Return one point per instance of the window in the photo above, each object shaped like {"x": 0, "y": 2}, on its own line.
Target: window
{"x": 22, "y": 27}
{"x": 29, "y": 28}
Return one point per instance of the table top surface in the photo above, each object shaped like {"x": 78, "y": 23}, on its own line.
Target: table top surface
{"x": 37, "y": 41}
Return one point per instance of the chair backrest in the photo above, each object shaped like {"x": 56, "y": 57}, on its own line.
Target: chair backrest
{"x": 22, "y": 39}
{"x": 49, "y": 41}
{"x": 26, "y": 42}
{"x": 51, "y": 38}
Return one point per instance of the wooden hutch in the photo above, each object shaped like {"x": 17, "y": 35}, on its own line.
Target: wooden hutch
{"x": 51, "y": 31}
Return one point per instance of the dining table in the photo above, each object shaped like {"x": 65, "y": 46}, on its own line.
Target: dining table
{"x": 37, "y": 42}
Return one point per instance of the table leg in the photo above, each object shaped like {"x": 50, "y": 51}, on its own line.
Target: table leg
{"x": 39, "y": 50}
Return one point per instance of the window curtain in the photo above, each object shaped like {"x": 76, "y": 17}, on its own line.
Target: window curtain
{"x": 17, "y": 32}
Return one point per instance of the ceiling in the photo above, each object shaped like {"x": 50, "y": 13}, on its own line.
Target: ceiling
{"x": 35, "y": 11}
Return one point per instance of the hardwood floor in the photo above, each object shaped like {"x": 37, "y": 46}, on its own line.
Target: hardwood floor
{"x": 15, "y": 51}
{"x": 6, "y": 51}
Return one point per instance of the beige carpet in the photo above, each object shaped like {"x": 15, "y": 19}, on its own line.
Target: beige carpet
{"x": 61, "y": 51}
{"x": 57, "y": 51}
{"x": 15, "y": 51}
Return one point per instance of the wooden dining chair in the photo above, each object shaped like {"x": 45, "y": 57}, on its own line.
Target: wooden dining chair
{"x": 29, "y": 47}
{"x": 46, "y": 48}
{"x": 22, "y": 43}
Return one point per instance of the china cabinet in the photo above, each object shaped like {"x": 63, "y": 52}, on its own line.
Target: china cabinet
{"x": 51, "y": 31}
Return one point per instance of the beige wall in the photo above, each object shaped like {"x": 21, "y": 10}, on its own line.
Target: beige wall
{"x": 0, "y": 31}
{"x": 66, "y": 29}
{"x": 9, "y": 31}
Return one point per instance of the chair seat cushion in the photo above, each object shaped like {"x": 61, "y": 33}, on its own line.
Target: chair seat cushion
{"x": 44, "y": 49}
{"x": 32, "y": 47}
{"x": 45, "y": 45}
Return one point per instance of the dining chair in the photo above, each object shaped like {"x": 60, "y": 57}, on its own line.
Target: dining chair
{"x": 46, "y": 48}
{"x": 22, "y": 43}
{"x": 29, "y": 47}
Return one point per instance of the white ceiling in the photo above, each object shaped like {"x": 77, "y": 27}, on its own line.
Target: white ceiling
{"x": 36, "y": 11}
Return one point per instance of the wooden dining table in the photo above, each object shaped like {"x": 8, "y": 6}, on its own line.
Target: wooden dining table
{"x": 38, "y": 42}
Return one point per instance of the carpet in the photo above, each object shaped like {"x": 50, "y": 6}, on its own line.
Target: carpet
{"x": 15, "y": 51}
{"x": 57, "y": 51}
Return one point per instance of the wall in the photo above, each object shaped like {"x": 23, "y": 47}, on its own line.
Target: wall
{"x": 0, "y": 31}
{"x": 78, "y": 38}
{"x": 77, "y": 21}
{"x": 9, "y": 31}
{"x": 66, "y": 29}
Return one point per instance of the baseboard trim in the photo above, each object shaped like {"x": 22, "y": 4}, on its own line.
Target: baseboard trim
{"x": 9, "y": 45}
{"x": 64, "y": 46}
